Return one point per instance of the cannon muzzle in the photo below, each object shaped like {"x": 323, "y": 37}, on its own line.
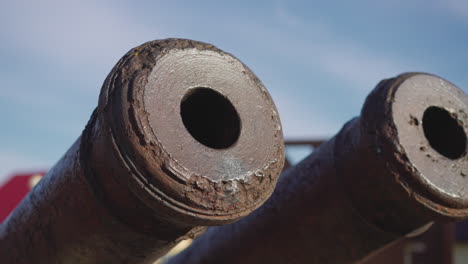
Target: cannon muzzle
{"x": 184, "y": 136}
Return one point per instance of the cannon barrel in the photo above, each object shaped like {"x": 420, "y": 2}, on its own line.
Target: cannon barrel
{"x": 387, "y": 174}
{"x": 184, "y": 136}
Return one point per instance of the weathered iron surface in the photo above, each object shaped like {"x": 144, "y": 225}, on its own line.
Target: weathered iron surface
{"x": 382, "y": 177}
{"x": 184, "y": 136}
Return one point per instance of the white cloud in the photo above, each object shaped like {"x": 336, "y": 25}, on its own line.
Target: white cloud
{"x": 319, "y": 48}
{"x": 79, "y": 41}
{"x": 284, "y": 16}
{"x": 356, "y": 66}
{"x": 85, "y": 32}
{"x": 457, "y": 7}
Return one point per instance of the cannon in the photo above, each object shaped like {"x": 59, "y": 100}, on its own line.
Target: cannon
{"x": 184, "y": 136}
{"x": 390, "y": 173}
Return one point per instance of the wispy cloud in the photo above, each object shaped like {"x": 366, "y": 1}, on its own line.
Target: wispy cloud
{"x": 61, "y": 52}
{"x": 457, "y": 7}
{"x": 88, "y": 32}
{"x": 325, "y": 50}
{"x": 356, "y": 66}
{"x": 284, "y": 16}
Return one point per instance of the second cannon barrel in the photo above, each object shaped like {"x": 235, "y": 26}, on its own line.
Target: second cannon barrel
{"x": 387, "y": 174}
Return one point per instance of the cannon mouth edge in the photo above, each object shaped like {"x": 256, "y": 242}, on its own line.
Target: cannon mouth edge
{"x": 156, "y": 174}
{"x": 429, "y": 115}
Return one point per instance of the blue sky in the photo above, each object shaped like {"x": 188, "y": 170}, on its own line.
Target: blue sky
{"x": 318, "y": 59}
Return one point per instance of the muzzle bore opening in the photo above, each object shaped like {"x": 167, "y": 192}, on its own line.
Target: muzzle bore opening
{"x": 444, "y": 132}
{"x": 210, "y": 118}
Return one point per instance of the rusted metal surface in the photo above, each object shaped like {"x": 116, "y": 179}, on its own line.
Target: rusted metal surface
{"x": 382, "y": 177}
{"x": 434, "y": 246}
{"x": 184, "y": 136}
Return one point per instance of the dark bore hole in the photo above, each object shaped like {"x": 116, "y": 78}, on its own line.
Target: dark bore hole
{"x": 210, "y": 118}
{"x": 444, "y": 133}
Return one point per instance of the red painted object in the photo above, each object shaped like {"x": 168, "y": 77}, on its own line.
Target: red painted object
{"x": 14, "y": 190}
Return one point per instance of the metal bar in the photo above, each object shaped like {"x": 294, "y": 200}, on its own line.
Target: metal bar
{"x": 387, "y": 174}
{"x": 313, "y": 143}
{"x": 433, "y": 247}
{"x": 184, "y": 136}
